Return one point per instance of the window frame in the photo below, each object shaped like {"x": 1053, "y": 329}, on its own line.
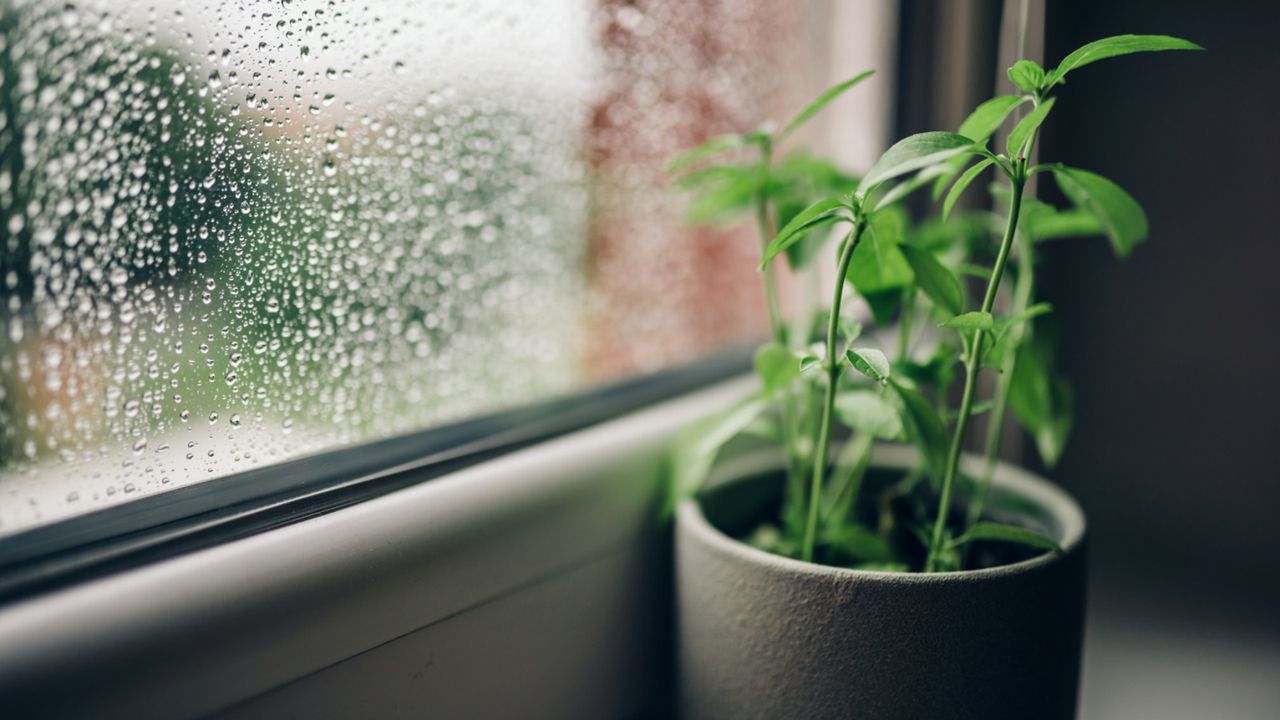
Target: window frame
{"x": 193, "y": 517}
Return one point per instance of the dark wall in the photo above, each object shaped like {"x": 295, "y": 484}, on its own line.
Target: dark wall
{"x": 1175, "y": 353}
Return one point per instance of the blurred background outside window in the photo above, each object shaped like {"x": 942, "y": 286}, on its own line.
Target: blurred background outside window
{"x": 237, "y": 233}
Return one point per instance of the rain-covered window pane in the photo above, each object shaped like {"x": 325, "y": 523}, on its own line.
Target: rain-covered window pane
{"x": 233, "y": 233}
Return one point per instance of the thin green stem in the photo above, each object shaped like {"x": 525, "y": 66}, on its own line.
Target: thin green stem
{"x": 973, "y": 362}
{"x": 833, "y": 376}
{"x": 1022, "y": 293}
{"x": 777, "y": 326}
{"x": 764, "y": 228}
{"x": 843, "y": 493}
{"x": 904, "y": 322}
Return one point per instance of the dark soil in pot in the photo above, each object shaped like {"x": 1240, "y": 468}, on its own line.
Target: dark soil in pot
{"x": 755, "y": 510}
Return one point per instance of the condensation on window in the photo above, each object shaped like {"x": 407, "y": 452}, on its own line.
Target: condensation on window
{"x": 234, "y": 233}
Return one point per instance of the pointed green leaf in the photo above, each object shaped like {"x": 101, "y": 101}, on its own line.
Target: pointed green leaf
{"x": 812, "y": 109}
{"x": 1004, "y": 324}
{"x": 801, "y": 169}
{"x": 884, "y": 304}
{"x": 1113, "y": 47}
{"x": 801, "y": 252}
{"x": 1041, "y": 401}
{"x": 1006, "y": 533}
{"x": 850, "y": 329}
{"x": 913, "y": 153}
{"x": 877, "y": 264}
{"x": 1121, "y": 216}
{"x": 937, "y": 282}
{"x": 711, "y": 148}
{"x": 712, "y": 175}
{"x": 722, "y": 194}
{"x": 971, "y": 321}
{"x": 956, "y": 190}
{"x": 869, "y": 362}
{"x": 989, "y": 116}
{"x": 822, "y": 212}
{"x": 858, "y": 542}
{"x": 910, "y": 185}
{"x": 994, "y": 356}
{"x": 1022, "y": 132}
{"x": 776, "y": 366}
{"x": 809, "y": 361}
{"x": 1041, "y": 221}
{"x": 867, "y": 411}
{"x": 696, "y": 448}
{"x": 979, "y": 127}
{"x": 1026, "y": 75}
{"x": 925, "y": 428}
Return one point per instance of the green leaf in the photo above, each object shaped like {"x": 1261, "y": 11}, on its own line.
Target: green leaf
{"x": 1041, "y": 221}
{"x": 1022, "y": 132}
{"x": 867, "y": 411}
{"x": 711, "y": 148}
{"x": 769, "y": 538}
{"x": 1121, "y": 216}
{"x": 1006, "y": 533}
{"x": 801, "y": 252}
{"x": 857, "y": 542}
{"x": 989, "y": 116}
{"x": 1113, "y": 47}
{"x": 711, "y": 175}
{"x": 812, "y": 109}
{"x": 1026, "y": 75}
{"x": 884, "y": 304}
{"x": 981, "y": 124}
{"x": 935, "y": 372}
{"x": 809, "y": 362}
{"x": 956, "y": 190}
{"x": 913, "y": 153}
{"x": 995, "y": 353}
{"x": 978, "y": 408}
{"x": 877, "y": 264}
{"x": 776, "y": 366}
{"x": 1042, "y": 401}
{"x": 850, "y": 329}
{"x": 822, "y": 212}
{"x": 910, "y": 185}
{"x": 696, "y": 449}
{"x": 813, "y": 174}
{"x": 971, "y": 321}
{"x": 869, "y": 362}
{"x": 728, "y": 195}
{"x": 925, "y": 427}
{"x": 1004, "y": 324}
{"x": 939, "y": 283}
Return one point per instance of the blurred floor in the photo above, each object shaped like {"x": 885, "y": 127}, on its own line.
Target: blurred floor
{"x": 1147, "y": 658}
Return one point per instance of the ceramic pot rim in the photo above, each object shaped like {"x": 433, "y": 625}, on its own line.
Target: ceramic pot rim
{"x": 1054, "y": 501}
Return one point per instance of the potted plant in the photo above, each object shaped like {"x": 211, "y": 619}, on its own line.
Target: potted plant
{"x": 837, "y": 573}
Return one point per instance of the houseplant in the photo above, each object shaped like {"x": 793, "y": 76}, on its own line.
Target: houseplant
{"x": 881, "y": 580}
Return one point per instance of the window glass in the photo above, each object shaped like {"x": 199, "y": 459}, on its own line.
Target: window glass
{"x": 233, "y": 233}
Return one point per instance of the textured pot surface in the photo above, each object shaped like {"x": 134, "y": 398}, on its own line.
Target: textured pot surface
{"x": 763, "y": 636}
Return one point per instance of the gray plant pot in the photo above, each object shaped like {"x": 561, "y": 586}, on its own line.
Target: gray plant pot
{"x": 763, "y": 636}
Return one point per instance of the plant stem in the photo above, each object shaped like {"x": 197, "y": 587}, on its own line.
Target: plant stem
{"x": 833, "y": 376}
{"x": 764, "y": 229}
{"x": 790, "y": 432}
{"x": 1022, "y": 292}
{"x": 973, "y": 363}
{"x": 904, "y": 322}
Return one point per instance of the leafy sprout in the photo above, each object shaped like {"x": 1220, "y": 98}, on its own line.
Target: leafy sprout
{"x": 909, "y": 274}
